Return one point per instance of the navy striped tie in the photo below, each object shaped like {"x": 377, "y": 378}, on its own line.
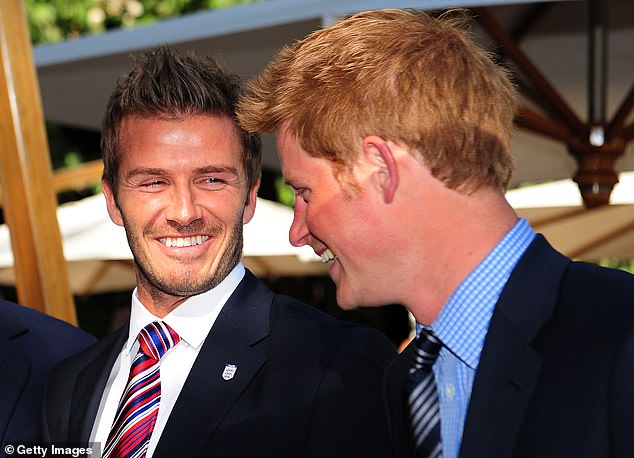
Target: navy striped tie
{"x": 423, "y": 398}
{"x": 138, "y": 409}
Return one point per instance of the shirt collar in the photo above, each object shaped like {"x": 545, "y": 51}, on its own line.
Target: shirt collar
{"x": 463, "y": 321}
{"x": 192, "y": 320}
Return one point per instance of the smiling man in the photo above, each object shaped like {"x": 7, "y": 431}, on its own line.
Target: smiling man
{"x": 394, "y": 129}
{"x": 183, "y": 213}
{"x": 211, "y": 362}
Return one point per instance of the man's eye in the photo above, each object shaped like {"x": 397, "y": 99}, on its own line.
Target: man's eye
{"x": 152, "y": 183}
{"x": 302, "y": 194}
{"x": 213, "y": 183}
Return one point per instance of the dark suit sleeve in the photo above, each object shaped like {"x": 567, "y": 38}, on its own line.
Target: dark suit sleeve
{"x": 56, "y": 407}
{"x": 622, "y": 408}
{"x": 74, "y": 390}
{"x": 56, "y": 404}
{"x": 40, "y": 342}
{"x": 348, "y": 418}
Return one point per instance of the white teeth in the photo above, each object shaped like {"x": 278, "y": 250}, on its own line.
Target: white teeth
{"x": 327, "y": 256}
{"x": 183, "y": 241}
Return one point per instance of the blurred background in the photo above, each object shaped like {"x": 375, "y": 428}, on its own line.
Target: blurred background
{"x": 572, "y": 60}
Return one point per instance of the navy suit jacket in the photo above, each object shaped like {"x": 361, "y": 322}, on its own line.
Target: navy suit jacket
{"x": 31, "y": 343}
{"x": 305, "y": 385}
{"x": 556, "y": 375}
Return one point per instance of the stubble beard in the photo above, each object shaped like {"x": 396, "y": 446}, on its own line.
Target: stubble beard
{"x": 187, "y": 283}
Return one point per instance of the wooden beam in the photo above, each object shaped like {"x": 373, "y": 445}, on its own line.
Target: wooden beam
{"x": 75, "y": 178}
{"x": 529, "y": 92}
{"x": 535, "y": 122}
{"x": 25, "y": 175}
{"x": 617, "y": 125}
{"x": 527, "y": 22}
{"x": 78, "y": 177}
{"x": 532, "y": 73}
{"x": 628, "y": 133}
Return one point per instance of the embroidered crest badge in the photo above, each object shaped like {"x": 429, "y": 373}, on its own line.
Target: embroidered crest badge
{"x": 229, "y": 372}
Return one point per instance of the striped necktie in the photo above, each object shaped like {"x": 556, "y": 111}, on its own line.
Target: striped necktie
{"x": 138, "y": 408}
{"x": 424, "y": 413}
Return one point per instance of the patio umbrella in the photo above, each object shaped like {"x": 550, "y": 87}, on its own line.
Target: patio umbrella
{"x": 99, "y": 258}
{"x": 555, "y": 209}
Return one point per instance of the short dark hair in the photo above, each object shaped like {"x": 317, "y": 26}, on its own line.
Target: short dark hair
{"x": 169, "y": 85}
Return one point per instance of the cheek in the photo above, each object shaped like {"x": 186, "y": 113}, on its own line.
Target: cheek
{"x": 319, "y": 220}
{"x": 358, "y": 233}
{"x": 332, "y": 228}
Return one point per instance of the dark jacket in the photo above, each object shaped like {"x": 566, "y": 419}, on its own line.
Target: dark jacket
{"x": 31, "y": 343}
{"x": 305, "y": 385}
{"x": 556, "y": 375}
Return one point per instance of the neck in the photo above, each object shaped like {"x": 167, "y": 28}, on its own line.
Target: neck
{"x": 158, "y": 302}
{"x": 468, "y": 227}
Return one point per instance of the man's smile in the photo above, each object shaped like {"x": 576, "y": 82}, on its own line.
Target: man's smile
{"x": 183, "y": 241}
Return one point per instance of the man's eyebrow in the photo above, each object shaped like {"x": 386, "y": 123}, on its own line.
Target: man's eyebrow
{"x": 201, "y": 170}
{"x": 146, "y": 171}
{"x": 289, "y": 182}
{"x": 217, "y": 169}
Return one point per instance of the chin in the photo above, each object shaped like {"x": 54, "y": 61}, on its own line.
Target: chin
{"x": 346, "y": 303}
{"x": 349, "y": 303}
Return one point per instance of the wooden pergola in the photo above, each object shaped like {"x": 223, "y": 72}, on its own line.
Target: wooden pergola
{"x": 29, "y": 202}
{"x": 596, "y": 143}
{"x": 247, "y": 36}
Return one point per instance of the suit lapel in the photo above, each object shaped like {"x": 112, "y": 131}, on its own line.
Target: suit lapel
{"x": 502, "y": 389}
{"x": 14, "y": 368}
{"x": 91, "y": 383}
{"x": 509, "y": 367}
{"x": 396, "y": 379}
{"x": 238, "y": 337}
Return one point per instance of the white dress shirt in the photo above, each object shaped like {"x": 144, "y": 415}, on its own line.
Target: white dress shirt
{"x": 192, "y": 321}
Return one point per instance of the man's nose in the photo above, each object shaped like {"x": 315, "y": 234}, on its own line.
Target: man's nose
{"x": 298, "y": 233}
{"x": 184, "y": 208}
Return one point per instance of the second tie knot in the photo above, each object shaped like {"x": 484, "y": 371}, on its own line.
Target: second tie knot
{"x": 156, "y": 338}
{"x": 427, "y": 348}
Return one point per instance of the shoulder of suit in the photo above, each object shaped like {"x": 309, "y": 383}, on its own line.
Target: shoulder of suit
{"x": 289, "y": 313}
{"x": 78, "y": 361}
{"x": 598, "y": 290}
{"x": 39, "y": 339}
{"x": 21, "y": 320}
{"x": 11, "y": 324}
{"x": 291, "y": 309}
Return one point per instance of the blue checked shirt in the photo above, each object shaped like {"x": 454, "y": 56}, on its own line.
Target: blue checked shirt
{"x": 462, "y": 327}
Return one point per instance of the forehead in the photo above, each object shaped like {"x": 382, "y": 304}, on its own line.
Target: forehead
{"x": 290, "y": 152}
{"x": 301, "y": 170}
{"x": 298, "y": 167}
{"x": 198, "y": 138}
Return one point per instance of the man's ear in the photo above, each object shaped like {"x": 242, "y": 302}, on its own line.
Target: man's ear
{"x": 113, "y": 208}
{"x": 379, "y": 154}
{"x": 249, "y": 208}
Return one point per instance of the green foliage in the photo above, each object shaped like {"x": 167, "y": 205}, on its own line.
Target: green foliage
{"x": 626, "y": 265}
{"x": 72, "y": 159}
{"x": 55, "y": 20}
{"x": 285, "y": 194}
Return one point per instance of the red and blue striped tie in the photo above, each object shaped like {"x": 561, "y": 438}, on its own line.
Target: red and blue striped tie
{"x": 138, "y": 408}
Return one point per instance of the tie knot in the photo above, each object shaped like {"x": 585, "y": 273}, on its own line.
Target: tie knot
{"x": 427, "y": 348}
{"x": 156, "y": 338}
